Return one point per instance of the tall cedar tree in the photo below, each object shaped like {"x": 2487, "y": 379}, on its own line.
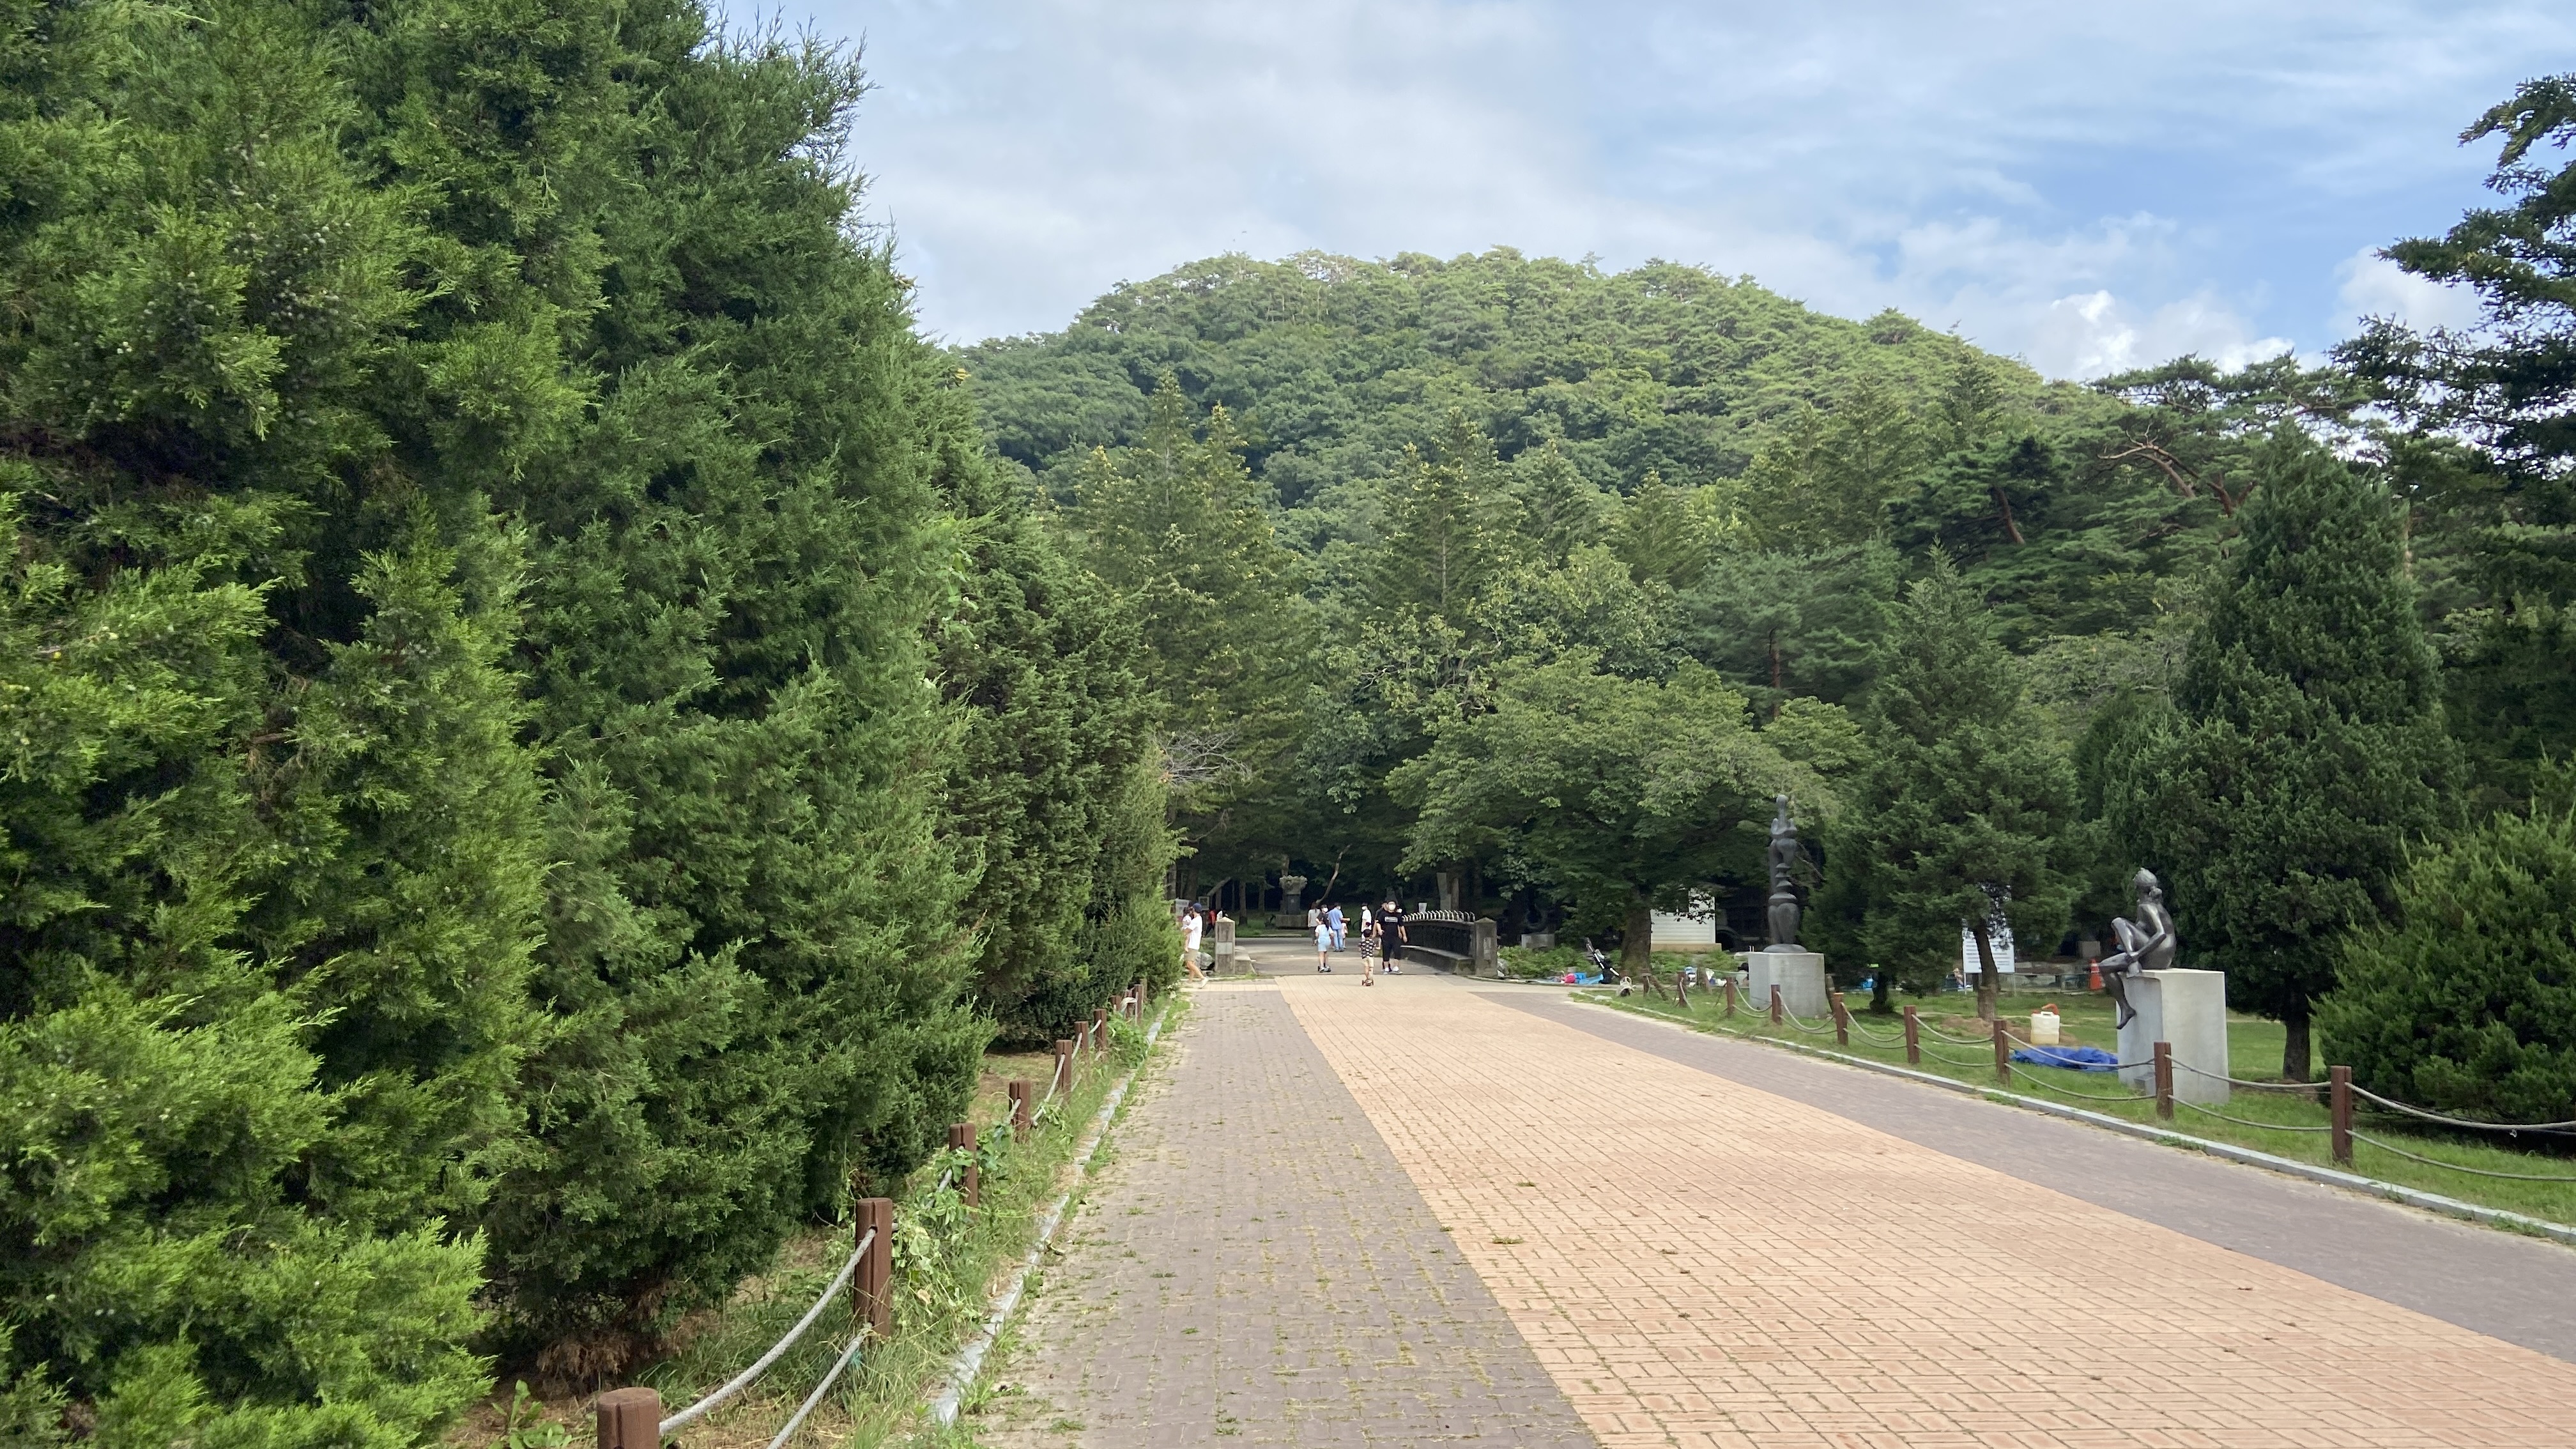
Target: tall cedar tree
{"x": 1056, "y": 750}
{"x": 2467, "y": 1003}
{"x": 2511, "y": 385}
{"x": 753, "y": 959}
{"x": 1183, "y": 536}
{"x": 2304, "y": 752}
{"x": 1963, "y": 803}
{"x": 272, "y": 840}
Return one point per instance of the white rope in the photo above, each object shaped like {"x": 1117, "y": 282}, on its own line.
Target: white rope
{"x": 2462, "y": 1121}
{"x": 2457, "y": 1167}
{"x": 820, "y": 1389}
{"x": 699, "y": 1410}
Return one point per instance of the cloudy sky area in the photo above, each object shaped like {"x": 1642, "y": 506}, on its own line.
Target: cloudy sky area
{"x": 2089, "y": 186}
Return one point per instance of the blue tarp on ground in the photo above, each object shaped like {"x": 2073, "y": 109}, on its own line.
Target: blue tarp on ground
{"x": 2079, "y": 1058}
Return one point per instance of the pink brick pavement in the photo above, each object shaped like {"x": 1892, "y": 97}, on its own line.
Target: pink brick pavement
{"x": 1699, "y": 1263}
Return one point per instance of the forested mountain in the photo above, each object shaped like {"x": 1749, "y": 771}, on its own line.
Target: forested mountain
{"x": 1490, "y": 459}
{"x": 1527, "y": 506}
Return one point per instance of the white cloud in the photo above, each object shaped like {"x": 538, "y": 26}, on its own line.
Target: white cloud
{"x": 2094, "y": 333}
{"x": 2374, "y": 286}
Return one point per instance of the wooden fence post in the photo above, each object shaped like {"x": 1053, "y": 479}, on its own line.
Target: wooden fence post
{"x": 1064, "y": 1064}
{"x": 2003, "y": 1053}
{"x": 1842, "y": 1021}
{"x": 2339, "y": 1111}
{"x": 630, "y": 1419}
{"x": 1913, "y": 1039}
{"x": 2164, "y": 1080}
{"x": 1100, "y": 1030}
{"x": 1777, "y": 1010}
{"x": 1681, "y": 991}
{"x": 1019, "y": 1107}
{"x": 872, "y": 1291}
{"x": 1730, "y": 996}
{"x": 962, "y": 1134}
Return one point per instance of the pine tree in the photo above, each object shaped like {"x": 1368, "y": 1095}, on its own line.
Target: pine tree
{"x": 1183, "y": 536}
{"x": 1962, "y": 808}
{"x": 2304, "y": 753}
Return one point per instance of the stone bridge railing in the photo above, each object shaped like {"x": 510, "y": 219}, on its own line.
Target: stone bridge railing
{"x": 1458, "y": 941}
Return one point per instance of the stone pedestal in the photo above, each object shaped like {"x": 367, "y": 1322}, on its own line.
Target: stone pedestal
{"x": 1800, "y": 976}
{"x": 1220, "y": 945}
{"x": 2188, "y": 1010}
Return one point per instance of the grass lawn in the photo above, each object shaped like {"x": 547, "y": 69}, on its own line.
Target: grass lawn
{"x": 941, "y": 1292}
{"x": 2285, "y": 1124}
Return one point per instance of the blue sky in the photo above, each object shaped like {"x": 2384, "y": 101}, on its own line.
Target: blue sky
{"x": 2088, "y": 186}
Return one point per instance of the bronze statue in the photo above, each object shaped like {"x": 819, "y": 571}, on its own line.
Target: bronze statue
{"x": 2146, "y": 944}
{"x": 1784, "y": 897}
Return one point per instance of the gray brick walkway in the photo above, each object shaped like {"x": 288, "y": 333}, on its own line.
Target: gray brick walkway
{"x": 1255, "y": 1268}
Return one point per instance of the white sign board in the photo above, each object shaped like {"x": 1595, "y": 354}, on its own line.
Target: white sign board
{"x": 1696, "y": 928}
{"x": 1999, "y": 937}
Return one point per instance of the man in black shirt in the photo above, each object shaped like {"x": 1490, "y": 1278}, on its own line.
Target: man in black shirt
{"x": 1391, "y": 934}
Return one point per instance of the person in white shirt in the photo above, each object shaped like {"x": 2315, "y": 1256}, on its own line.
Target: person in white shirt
{"x": 1323, "y": 948}
{"x": 1193, "y": 931}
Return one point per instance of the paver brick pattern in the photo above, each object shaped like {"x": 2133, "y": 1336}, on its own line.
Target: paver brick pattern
{"x": 1254, "y": 1268}
{"x": 1700, "y": 1264}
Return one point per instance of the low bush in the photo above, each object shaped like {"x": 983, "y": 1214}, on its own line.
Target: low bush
{"x": 2469, "y": 1005}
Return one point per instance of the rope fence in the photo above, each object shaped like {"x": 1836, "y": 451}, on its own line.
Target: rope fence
{"x": 2338, "y": 1093}
{"x": 632, "y": 1418}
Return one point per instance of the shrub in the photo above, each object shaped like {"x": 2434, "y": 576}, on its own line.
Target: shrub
{"x": 2468, "y": 1006}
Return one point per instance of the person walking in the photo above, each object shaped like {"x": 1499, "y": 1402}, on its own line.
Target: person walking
{"x": 1341, "y": 936}
{"x": 1368, "y": 948}
{"x": 1193, "y": 931}
{"x": 1323, "y": 948}
{"x": 1390, "y": 931}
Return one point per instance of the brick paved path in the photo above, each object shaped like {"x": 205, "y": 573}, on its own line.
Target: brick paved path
{"x": 2522, "y": 1290}
{"x": 1254, "y": 1268}
{"x": 1702, "y": 1263}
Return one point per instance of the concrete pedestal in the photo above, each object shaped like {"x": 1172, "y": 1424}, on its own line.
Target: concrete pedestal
{"x": 2187, "y": 1009}
{"x": 1800, "y": 976}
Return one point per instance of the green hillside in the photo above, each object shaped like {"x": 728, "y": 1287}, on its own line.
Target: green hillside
{"x": 1765, "y": 475}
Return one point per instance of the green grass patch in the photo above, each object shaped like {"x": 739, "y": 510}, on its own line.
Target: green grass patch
{"x": 947, "y": 1258}
{"x": 2280, "y": 1123}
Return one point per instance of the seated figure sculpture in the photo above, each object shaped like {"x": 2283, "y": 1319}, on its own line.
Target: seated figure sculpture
{"x": 2146, "y": 944}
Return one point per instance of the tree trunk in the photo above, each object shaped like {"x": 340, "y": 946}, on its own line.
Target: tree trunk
{"x": 1879, "y": 1005}
{"x": 2003, "y": 506}
{"x": 1637, "y": 942}
{"x": 1987, "y": 982}
{"x": 2294, "y": 1048}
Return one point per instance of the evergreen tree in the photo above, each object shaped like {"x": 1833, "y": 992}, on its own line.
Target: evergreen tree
{"x": 752, "y": 952}
{"x": 2466, "y": 1003}
{"x": 1057, "y": 743}
{"x": 272, "y": 835}
{"x": 2304, "y": 754}
{"x": 2509, "y": 384}
{"x": 1181, "y": 534}
{"x": 1445, "y": 530}
{"x": 1961, "y": 810}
